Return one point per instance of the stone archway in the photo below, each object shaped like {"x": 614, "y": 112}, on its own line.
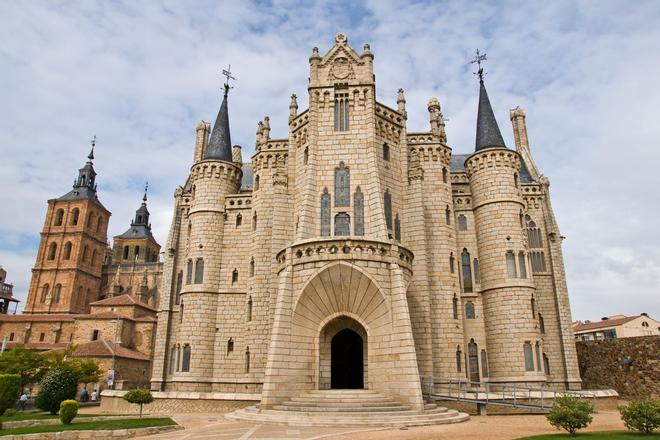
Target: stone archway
{"x": 343, "y": 354}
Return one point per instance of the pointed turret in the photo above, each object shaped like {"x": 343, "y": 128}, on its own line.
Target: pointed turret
{"x": 84, "y": 186}
{"x": 219, "y": 146}
{"x": 488, "y": 132}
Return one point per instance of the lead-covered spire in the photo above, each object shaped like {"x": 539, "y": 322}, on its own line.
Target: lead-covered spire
{"x": 219, "y": 146}
{"x": 488, "y": 132}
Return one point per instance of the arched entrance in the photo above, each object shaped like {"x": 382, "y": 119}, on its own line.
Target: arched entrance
{"x": 346, "y": 367}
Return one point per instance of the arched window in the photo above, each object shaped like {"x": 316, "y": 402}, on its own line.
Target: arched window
{"x": 234, "y": 276}
{"x": 466, "y": 269}
{"x": 136, "y": 253}
{"x": 462, "y": 222}
{"x": 341, "y": 111}
{"x": 397, "y": 228}
{"x": 57, "y": 291}
{"x": 52, "y": 251}
{"x": 484, "y": 363}
{"x": 189, "y": 271}
{"x": 239, "y": 220}
{"x": 75, "y": 214}
{"x": 249, "y": 309}
{"x": 247, "y": 360}
{"x": 199, "y": 271}
{"x": 252, "y": 267}
{"x": 192, "y": 193}
{"x": 342, "y": 224}
{"x": 179, "y": 285}
{"x": 448, "y": 215}
{"x": 541, "y": 324}
{"x": 515, "y": 179}
{"x": 125, "y": 256}
{"x": 533, "y": 233}
{"x": 172, "y": 359}
{"x": 387, "y": 202}
{"x": 99, "y": 222}
{"x": 59, "y": 216}
{"x": 521, "y": 263}
{"x": 529, "y": 356}
{"x": 325, "y": 213}
{"x": 256, "y": 182}
{"x": 538, "y": 355}
{"x": 178, "y": 358}
{"x": 473, "y": 361}
{"x": 139, "y": 219}
{"x": 477, "y": 272}
{"x": 469, "y": 310}
{"x": 342, "y": 185}
{"x": 511, "y": 264}
{"x": 546, "y": 364}
{"x": 254, "y": 221}
{"x": 459, "y": 356}
{"x": 358, "y": 208}
{"x": 44, "y": 292}
{"x": 66, "y": 253}
{"x": 90, "y": 220}
{"x": 451, "y": 262}
{"x": 230, "y": 345}
{"x": 538, "y": 261}
{"x": 386, "y": 152}
{"x": 444, "y": 174}
{"x": 305, "y": 156}
{"x": 185, "y": 362}
{"x": 94, "y": 256}
{"x": 455, "y": 306}
{"x": 85, "y": 253}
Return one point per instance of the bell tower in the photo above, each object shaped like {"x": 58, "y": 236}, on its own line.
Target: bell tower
{"x": 67, "y": 273}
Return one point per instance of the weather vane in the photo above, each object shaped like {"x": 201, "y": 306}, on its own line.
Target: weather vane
{"x": 90, "y": 156}
{"x": 227, "y": 73}
{"x": 94, "y": 141}
{"x": 146, "y": 188}
{"x": 478, "y": 59}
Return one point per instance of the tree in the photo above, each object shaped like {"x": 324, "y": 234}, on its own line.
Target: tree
{"x": 87, "y": 370}
{"x": 570, "y": 413}
{"x": 9, "y": 389}
{"x": 58, "y": 384}
{"x": 29, "y": 364}
{"x": 641, "y": 415}
{"x": 139, "y": 396}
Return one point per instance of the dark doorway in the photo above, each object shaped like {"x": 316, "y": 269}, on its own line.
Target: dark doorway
{"x": 473, "y": 360}
{"x": 346, "y": 367}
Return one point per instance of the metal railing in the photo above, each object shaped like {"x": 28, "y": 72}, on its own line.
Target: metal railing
{"x": 499, "y": 394}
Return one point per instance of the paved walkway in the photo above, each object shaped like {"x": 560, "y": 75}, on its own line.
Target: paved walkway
{"x": 506, "y": 427}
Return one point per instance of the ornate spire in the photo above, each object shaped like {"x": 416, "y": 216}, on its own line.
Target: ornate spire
{"x": 146, "y": 188}
{"x": 90, "y": 156}
{"x": 219, "y": 146}
{"x": 488, "y": 132}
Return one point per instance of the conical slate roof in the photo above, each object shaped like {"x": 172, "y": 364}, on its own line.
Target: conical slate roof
{"x": 488, "y": 133}
{"x": 220, "y": 141}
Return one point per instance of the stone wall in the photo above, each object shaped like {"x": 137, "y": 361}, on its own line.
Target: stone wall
{"x": 631, "y": 366}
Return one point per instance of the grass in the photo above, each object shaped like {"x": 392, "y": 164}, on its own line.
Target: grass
{"x": 39, "y": 415}
{"x": 607, "y": 435}
{"x": 91, "y": 426}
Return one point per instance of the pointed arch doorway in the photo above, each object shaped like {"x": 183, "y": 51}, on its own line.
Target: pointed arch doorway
{"x": 343, "y": 354}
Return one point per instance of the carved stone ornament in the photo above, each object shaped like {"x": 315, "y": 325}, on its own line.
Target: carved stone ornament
{"x": 340, "y": 68}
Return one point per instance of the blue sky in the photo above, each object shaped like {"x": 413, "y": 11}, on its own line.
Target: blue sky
{"x": 140, "y": 75}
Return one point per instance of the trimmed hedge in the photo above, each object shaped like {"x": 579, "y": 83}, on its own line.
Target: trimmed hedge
{"x": 60, "y": 383}
{"x": 10, "y": 386}
{"x": 68, "y": 411}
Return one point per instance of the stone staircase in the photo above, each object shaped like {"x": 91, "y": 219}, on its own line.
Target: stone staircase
{"x": 357, "y": 408}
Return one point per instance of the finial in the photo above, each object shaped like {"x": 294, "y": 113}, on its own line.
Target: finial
{"x": 478, "y": 59}
{"x": 146, "y": 188}
{"x": 90, "y": 156}
{"x": 227, "y": 73}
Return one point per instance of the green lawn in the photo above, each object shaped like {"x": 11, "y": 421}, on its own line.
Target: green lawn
{"x": 39, "y": 415}
{"x": 609, "y": 435}
{"x": 89, "y": 426}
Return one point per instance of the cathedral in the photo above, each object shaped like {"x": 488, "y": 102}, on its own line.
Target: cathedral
{"x": 354, "y": 254}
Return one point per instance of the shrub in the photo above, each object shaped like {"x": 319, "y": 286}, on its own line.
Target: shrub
{"x": 9, "y": 412}
{"x": 60, "y": 383}
{"x": 68, "y": 411}
{"x": 139, "y": 396}
{"x": 570, "y": 413}
{"x": 10, "y": 385}
{"x": 641, "y": 415}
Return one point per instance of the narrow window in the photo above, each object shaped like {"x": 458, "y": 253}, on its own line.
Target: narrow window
{"x": 239, "y": 220}
{"x": 397, "y": 228}
{"x": 230, "y": 345}
{"x": 546, "y": 364}
{"x": 66, "y": 254}
{"x": 252, "y": 267}
{"x": 136, "y": 253}
{"x": 521, "y": 263}
{"x": 469, "y": 310}
{"x": 256, "y": 182}
{"x": 179, "y": 284}
{"x": 466, "y": 269}
{"x": 42, "y": 336}
{"x": 95, "y": 334}
{"x": 59, "y": 215}
{"x": 451, "y": 262}
{"x": 181, "y": 313}
{"x": 484, "y": 363}
{"x": 75, "y": 214}
{"x": 52, "y": 250}
{"x": 455, "y": 306}
{"x": 85, "y": 254}
{"x": 94, "y": 256}
{"x": 473, "y": 361}
{"x": 448, "y": 215}
{"x": 444, "y": 175}
{"x": 11, "y": 336}
{"x": 387, "y": 200}
{"x": 199, "y": 271}
{"x": 529, "y": 356}
{"x": 538, "y": 261}
{"x": 477, "y": 272}
{"x": 342, "y": 224}
{"x": 172, "y": 359}
{"x": 305, "y": 156}
{"x": 462, "y": 222}
{"x": 386, "y": 152}
{"x": 234, "y": 276}
{"x": 185, "y": 363}
{"x": 325, "y": 213}
{"x": 511, "y": 264}
{"x": 533, "y": 233}
{"x": 342, "y": 185}
{"x": 192, "y": 193}
{"x": 90, "y": 220}
{"x": 56, "y": 293}
{"x": 459, "y": 356}
{"x": 125, "y": 256}
{"x": 358, "y": 207}
{"x": 254, "y": 221}
{"x": 249, "y": 309}
{"x": 178, "y": 358}
{"x": 190, "y": 228}
{"x": 538, "y": 355}
{"x": 541, "y": 324}
{"x": 515, "y": 179}
{"x": 99, "y": 222}
{"x": 189, "y": 272}
{"x": 520, "y": 216}
{"x": 341, "y": 111}
{"x": 533, "y": 303}
{"x": 247, "y": 360}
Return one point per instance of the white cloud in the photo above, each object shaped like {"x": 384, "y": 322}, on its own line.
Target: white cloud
{"x": 140, "y": 74}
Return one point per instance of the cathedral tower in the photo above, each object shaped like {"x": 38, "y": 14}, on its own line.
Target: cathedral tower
{"x": 137, "y": 243}
{"x": 67, "y": 274}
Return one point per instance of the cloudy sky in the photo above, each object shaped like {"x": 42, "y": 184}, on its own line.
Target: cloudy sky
{"x": 139, "y": 75}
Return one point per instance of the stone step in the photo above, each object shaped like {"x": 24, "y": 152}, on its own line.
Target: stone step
{"x": 343, "y": 408}
{"x": 276, "y": 410}
{"x": 333, "y": 402}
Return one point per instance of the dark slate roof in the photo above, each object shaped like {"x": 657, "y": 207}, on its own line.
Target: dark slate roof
{"x": 488, "y": 132}
{"x": 82, "y": 193}
{"x": 219, "y": 146}
{"x": 457, "y": 165}
{"x": 248, "y": 176}
{"x": 137, "y": 231}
